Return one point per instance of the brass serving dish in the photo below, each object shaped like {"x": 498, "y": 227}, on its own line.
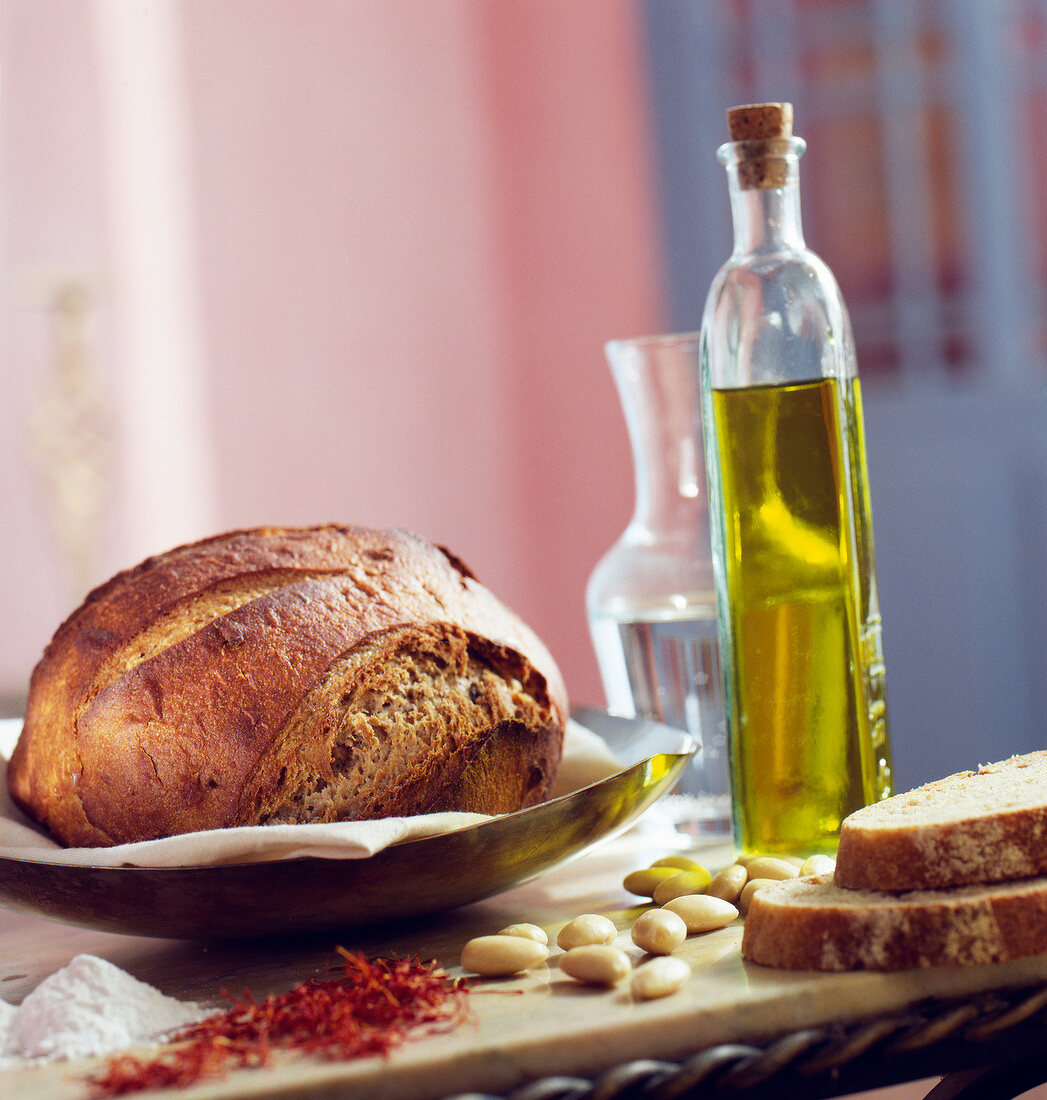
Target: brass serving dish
{"x": 409, "y": 879}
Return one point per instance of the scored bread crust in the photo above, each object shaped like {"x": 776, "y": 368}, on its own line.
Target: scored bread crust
{"x": 972, "y": 827}
{"x": 286, "y": 674}
{"x": 810, "y": 924}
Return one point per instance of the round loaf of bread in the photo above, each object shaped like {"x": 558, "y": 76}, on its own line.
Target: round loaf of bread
{"x": 286, "y": 675}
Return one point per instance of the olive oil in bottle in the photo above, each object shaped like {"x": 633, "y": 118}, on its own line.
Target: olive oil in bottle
{"x": 800, "y": 635}
{"x": 809, "y": 740}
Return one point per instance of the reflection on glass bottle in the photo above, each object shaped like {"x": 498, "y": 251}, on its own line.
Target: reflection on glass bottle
{"x": 651, "y": 601}
{"x": 792, "y": 532}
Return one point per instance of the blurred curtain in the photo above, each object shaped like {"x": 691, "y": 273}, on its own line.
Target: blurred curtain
{"x": 336, "y": 261}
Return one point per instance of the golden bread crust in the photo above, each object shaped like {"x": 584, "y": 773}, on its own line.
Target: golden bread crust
{"x": 810, "y": 924}
{"x": 228, "y": 682}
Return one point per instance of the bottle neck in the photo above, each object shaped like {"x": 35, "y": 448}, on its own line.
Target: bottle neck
{"x": 764, "y": 186}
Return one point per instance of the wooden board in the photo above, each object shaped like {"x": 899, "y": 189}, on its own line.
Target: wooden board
{"x": 523, "y": 1028}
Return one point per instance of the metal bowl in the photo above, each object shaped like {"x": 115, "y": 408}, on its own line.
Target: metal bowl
{"x": 415, "y": 877}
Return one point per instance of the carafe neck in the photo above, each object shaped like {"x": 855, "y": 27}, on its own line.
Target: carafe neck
{"x": 661, "y": 398}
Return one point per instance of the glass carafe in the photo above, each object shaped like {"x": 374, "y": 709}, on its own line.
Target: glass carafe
{"x": 651, "y": 600}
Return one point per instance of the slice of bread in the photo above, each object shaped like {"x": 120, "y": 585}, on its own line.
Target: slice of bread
{"x": 811, "y": 924}
{"x": 972, "y": 827}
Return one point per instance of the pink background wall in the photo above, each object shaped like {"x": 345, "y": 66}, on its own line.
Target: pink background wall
{"x": 350, "y": 261}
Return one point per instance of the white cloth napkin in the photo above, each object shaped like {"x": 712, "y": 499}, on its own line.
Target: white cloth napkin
{"x": 586, "y": 760}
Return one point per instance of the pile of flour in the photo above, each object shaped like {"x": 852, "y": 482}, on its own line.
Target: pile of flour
{"x": 89, "y": 1008}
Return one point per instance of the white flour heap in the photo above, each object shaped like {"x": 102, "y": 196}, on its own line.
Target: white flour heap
{"x": 89, "y": 1008}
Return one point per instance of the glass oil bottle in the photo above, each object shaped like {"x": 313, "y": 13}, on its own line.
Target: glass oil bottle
{"x": 799, "y": 619}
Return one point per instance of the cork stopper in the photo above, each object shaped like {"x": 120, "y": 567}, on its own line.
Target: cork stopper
{"x": 760, "y": 121}
{"x": 761, "y": 129}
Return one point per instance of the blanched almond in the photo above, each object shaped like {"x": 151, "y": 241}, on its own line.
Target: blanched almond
{"x": 644, "y": 883}
{"x": 528, "y": 931}
{"x": 817, "y": 865}
{"x": 684, "y": 882}
{"x": 589, "y": 928}
{"x": 658, "y": 978}
{"x": 702, "y": 913}
{"x": 772, "y": 867}
{"x": 596, "y": 963}
{"x": 728, "y": 883}
{"x": 751, "y": 887}
{"x": 500, "y": 956}
{"x": 681, "y": 863}
{"x": 659, "y": 931}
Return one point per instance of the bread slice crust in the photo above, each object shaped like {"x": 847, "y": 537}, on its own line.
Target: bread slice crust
{"x": 982, "y": 826}
{"x": 195, "y": 690}
{"x": 811, "y": 924}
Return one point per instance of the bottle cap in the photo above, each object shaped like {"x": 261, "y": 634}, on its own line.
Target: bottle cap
{"x": 761, "y": 130}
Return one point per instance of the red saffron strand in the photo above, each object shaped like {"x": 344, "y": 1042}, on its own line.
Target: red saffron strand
{"x": 370, "y": 1009}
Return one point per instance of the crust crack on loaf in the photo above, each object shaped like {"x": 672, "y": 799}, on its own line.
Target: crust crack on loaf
{"x": 286, "y": 675}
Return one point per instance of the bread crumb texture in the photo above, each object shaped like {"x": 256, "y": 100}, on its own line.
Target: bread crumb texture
{"x": 415, "y": 733}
